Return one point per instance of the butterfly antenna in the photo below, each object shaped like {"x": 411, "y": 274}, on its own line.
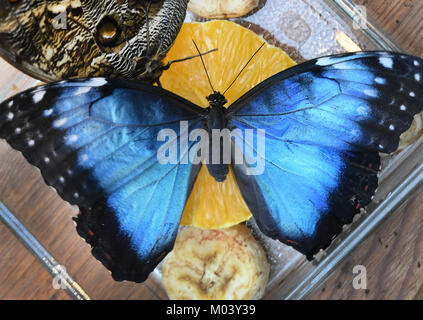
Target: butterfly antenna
{"x": 187, "y": 58}
{"x": 204, "y": 65}
{"x": 248, "y": 62}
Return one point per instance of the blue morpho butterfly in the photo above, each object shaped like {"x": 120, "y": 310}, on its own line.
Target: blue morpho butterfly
{"x": 325, "y": 121}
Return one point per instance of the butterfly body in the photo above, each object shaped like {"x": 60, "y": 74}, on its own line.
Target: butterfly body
{"x": 53, "y": 40}
{"x": 324, "y": 124}
{"x": 217, "y": 122}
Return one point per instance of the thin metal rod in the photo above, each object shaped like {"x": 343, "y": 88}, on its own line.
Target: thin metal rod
{"x": 47, "y": 260}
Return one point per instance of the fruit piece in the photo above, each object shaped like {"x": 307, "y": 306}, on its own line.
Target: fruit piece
{"x": 201, "y": 208}
{"x": 226, "y": 264}
{"x": 413, "y": 133}
{"x": 211, "y": 204}
{"x": 235, "y": 45}
{"x": 218, "y": 9}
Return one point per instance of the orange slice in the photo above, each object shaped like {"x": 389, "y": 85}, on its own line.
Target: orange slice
{"x": 214, "y": 205}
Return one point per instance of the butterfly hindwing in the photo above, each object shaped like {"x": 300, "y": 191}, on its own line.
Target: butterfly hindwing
{"x": 325, "y": 122}
{"x": 96, "y": 142}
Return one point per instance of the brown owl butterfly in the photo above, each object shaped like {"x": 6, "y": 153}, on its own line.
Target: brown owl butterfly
{"x": 61, "y": 39}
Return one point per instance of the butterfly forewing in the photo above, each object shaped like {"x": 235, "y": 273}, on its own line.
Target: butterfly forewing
{"x": 96, "y": 142}
{"x": 326, "y": 122}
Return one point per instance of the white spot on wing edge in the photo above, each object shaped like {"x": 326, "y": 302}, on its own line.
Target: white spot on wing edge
{"x": 96, "y": 82}
{"x": 48, "y": 112}
{"x": 386, "y": 62}
{"x": 371, "y": 92}
{"x": 380, "y": 80}
{"x": 59, "y": 123}
{"x": 38, "y": 96}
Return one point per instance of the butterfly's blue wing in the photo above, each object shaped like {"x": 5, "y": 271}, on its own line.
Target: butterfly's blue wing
{"x": 96, "y": 142}
{"x": 325, "y": 122}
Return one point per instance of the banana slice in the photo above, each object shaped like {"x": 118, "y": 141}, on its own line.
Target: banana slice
{"x": 219, "y": 9}
{"x": 413, "y": 133}
{"x": 224, "y": 264}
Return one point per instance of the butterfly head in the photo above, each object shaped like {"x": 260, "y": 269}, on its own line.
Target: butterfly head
{"x": 216, "y": 99}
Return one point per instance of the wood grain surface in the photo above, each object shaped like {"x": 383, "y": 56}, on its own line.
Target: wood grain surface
{"x": 21, "y": 275}
{"x": 393, "y": 256}
{"x": 401, "y": 20}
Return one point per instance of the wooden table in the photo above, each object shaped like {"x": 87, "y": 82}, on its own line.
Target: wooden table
{"x": 393, "y": 255}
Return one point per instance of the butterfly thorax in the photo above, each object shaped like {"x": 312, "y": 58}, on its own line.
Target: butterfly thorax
{"x": 217, "y": 111}
{"x": 218, "y": 165}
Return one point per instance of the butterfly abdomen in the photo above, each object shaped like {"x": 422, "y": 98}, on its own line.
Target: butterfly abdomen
{"x": 218, "y": 158}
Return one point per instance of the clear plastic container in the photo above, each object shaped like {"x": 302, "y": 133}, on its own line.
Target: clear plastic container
{"x": 305, "y": 29}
